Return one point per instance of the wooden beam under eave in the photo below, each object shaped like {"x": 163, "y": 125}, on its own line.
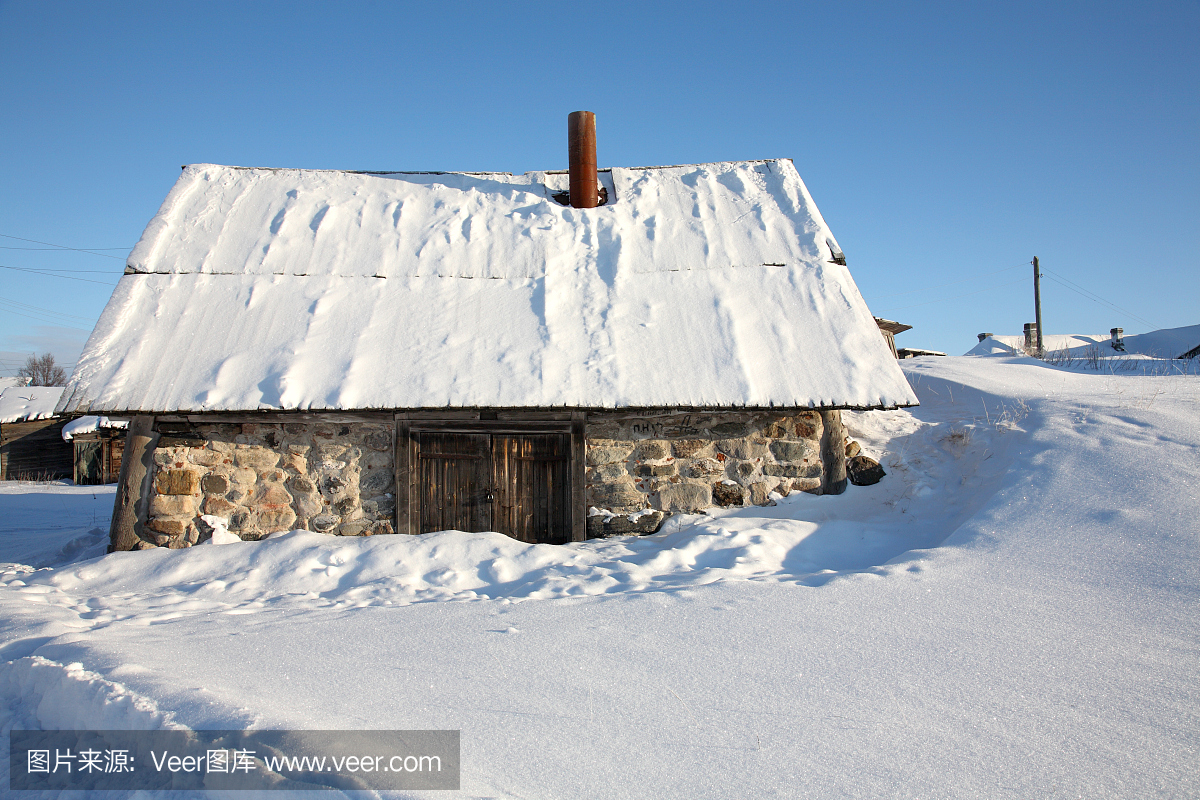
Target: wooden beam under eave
{"x": 578, "y": 467}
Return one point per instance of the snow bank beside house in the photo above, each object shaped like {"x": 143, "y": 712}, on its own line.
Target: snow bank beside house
{"x": 25, "y": 403}
{"x": 1010, "y": 613}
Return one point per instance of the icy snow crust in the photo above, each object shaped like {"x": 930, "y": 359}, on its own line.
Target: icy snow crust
{"x": 707, "y": 285}
{"x": 1010, "y": 614}
{"x": 25, "y": 403}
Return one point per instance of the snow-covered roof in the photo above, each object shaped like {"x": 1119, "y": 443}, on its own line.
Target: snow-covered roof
{"x": 26, "y": 403}
{"x": 1008, "y": 344}
{"x": 90, "y": 424}
{"x": 6, "y": 381}
{"x": 696, "y": 286}
{"x": 1164, "y": 343}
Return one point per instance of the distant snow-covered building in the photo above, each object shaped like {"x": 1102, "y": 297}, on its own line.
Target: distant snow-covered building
{"x": 31, "y": 445}
{"x": 357, "y": 353}
{"x": 99, "y": 443}
{"x": 1167, "y": 343}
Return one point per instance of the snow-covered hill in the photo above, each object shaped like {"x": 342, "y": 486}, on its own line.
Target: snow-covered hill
{"x": 1012, "y": 612}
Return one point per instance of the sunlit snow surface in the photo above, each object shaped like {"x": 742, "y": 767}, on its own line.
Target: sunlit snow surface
{"x": 1011, "y": 613}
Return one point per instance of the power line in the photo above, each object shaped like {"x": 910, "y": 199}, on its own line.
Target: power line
{"x": 1095, "y": 298}
{"x": 56, "y": 249}
{"x": 53, "y": 322}
{"x": 955, "y": 297}
{"x": 951, "y": 283}
{"x": 64, "y": 247}
{"x": 28, "y": 307}
{"x": 52, "y": 275}
{"x": 95, "y": 271}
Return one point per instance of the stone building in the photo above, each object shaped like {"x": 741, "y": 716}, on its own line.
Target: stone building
{"x": 366, "y": 353}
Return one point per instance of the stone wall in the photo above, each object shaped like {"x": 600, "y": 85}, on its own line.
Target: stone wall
{"x": 688, "y": 462}
{"x": 263, "y": 478}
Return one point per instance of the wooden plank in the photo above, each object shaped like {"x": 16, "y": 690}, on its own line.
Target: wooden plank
{"x": 455, "y": 492}
{"x": 281, "y": 417}
{"x": 402, "y": 458}
{"x": 133, "y": 490}
{"x": 491, "y": 426}
{"x": 833, "y": 453}
{"x": 533, "y": 498}
{"x": 578, "y": 506}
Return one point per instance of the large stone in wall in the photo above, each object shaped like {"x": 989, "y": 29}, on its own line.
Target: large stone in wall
{"x": 177, "y": 481}
{"x": 760, "y": 494}
{"x": 172, "y": 505}
{"x": 705, "y": 468}
{"x": 607, "y": 453}
{"x": 693, "y": 448}
{"x": 811, "y": 470}
{"x": 601, "y": 525}
{"x": 219, "y": 507}
{"x": 745, "y": 448}
{"x": 606, "y": 472}
{"x": 255, "y": 458}
{"x": 205, "y": 457}
{"x": 376, "y": 481}
{"x": 619, "y": 495}
{"x": 272, "y": 519}
{"x": 652, "y": 451}
{"x": 808, "y": 425}
{"x": 685, "y": 497}
{"x": 727, "y": 494}
{"x": 784, "y": 450}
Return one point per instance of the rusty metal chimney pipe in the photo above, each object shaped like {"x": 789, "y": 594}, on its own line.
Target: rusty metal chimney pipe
{"x": 581, "y": 140}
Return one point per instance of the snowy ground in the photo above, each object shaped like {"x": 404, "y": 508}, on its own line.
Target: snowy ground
{"x": 1013, "y": 612}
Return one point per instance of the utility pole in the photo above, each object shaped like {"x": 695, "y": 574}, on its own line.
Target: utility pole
{"x": 1037, "y": 306}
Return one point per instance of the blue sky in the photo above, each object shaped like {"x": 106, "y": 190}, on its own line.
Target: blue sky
{"x": 946, "y": 145}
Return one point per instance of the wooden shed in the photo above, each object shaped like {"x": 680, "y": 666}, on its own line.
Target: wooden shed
{"x": 889, "y": 328}
{"x": 98, "y": 444}
{"x": 359, "y": 353}
{"x": 31, "y": 444}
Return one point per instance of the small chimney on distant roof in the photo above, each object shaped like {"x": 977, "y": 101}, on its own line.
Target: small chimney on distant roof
{"x": 581, "y": 139}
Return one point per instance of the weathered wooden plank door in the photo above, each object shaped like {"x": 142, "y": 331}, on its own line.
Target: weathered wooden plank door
{"x": 518, "y": 484}
{"x": 533, "y": 486}
{"x": 454, "y": 481}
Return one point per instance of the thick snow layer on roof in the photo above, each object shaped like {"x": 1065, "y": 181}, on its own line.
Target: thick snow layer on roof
{"x": 25, "y": 403}
{"x": 706, "y": 285}
{"x": 89, "y": 424}
{"x": 1165, "y": 343}
{"x": 6, "y": 382}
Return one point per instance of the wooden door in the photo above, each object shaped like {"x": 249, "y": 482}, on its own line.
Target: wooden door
{"x": 518, "y": 484}
{"x": 533, "y": 486}
{"x": 89, "y": 462}
{"x": 454, "y": 481}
